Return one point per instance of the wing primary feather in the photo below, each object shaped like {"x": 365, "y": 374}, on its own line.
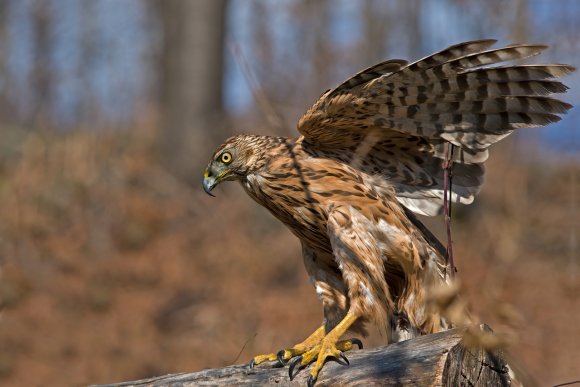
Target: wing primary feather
{"x": 443, "y": 56}
{"x": 463, "y": 95}
{"x": 435, "y": 70}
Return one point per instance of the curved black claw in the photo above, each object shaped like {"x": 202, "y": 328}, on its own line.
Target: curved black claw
{"x": 252, "y": 363}
{"x": 280, "y": 356}
{"x": 296, "y": 361}
{"x": 310, "y": 381}
{"x": 357, "y": 342}
{"x": 342, "y": 360}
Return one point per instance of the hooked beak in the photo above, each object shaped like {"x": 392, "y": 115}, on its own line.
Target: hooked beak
{"x": 209, "y": 181}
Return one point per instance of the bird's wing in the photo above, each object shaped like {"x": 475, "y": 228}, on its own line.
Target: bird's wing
{"x": 393, "y": 119}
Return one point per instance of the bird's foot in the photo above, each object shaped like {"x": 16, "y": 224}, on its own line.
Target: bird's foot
{"x": 286, "y": 354}
{"x": 318, "y": 347}
{"x": 281, "y": 356}
{"x": 327, "y": 349}
{"x": 262, "y": 359}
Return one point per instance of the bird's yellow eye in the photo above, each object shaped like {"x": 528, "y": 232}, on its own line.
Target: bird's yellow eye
{"x": 226, "y": 158}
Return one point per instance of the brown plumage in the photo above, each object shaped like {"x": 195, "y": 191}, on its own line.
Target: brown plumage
{"x": 369, "y": 157}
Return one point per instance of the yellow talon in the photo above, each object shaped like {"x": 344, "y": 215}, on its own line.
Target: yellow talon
{"x": 317, "y": 347}
{"x": 327, "y": 349}
{"x": 304, "y": 346}
{"x": 346, "y": 345}
{"x": 330, "y": 346}
{"x": 286, "y": 354}
{"x": 262, "y": 358}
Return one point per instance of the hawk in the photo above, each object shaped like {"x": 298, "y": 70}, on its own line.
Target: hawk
{"x": 367, "y": 160}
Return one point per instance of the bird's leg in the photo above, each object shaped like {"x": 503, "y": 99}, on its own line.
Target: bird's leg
{"x": 284, "y": 355}
{"x": 329, "y": 346}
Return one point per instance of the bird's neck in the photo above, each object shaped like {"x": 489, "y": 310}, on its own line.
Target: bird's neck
{"x": 267, "y": 151}
{"x": 274, "y": 163}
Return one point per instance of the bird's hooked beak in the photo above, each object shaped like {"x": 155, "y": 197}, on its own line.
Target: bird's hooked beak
{"x": 210, "y": 180}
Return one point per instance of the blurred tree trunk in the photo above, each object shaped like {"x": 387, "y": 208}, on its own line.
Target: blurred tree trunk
{"x": 42, "y": 80}
{"x": 415, "y": 42}
{"x": 376, "y": 23}
{"x": 320, "y": 18}
{"x": 86, "y": 104}
{"x": 191, "y": 68}
{"x": 520, "y": 25}
{"x": 5, "y": 108}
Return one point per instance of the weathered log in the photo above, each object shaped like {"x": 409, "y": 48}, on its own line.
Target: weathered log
{"x": 435, "y": 360}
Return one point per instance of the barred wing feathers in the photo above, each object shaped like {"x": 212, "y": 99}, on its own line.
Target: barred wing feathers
{"x": 393, "y": 119}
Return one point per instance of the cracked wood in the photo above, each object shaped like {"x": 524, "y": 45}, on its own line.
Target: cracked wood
{"x": 435, "y": 360}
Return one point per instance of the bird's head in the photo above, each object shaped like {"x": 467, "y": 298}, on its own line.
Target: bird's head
{"x": 234, "y": 160}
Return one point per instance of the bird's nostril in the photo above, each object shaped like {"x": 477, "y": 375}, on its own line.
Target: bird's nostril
{"x": 208, "y": 173}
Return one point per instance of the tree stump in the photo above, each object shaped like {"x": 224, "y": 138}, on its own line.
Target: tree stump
{"x": 439, "y": 359}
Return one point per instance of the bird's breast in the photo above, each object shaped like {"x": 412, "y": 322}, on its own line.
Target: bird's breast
{"x": 290, "y": 200}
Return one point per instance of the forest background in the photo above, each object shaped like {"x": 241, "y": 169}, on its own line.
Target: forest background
{"x": 115, "y": 265}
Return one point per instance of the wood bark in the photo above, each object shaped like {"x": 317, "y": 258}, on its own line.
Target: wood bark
{"x": 435, "y": 360}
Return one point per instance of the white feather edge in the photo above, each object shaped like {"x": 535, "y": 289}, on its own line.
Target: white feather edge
{"x": 431, "y": 206}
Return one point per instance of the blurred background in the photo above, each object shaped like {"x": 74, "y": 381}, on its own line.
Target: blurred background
{"x": 115, "y": 265}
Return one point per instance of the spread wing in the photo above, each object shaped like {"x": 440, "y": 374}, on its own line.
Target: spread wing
{"x": 394, "y": 118}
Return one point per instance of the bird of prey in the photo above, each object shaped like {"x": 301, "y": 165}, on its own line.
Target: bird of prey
{"x": 367, "y": 160}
